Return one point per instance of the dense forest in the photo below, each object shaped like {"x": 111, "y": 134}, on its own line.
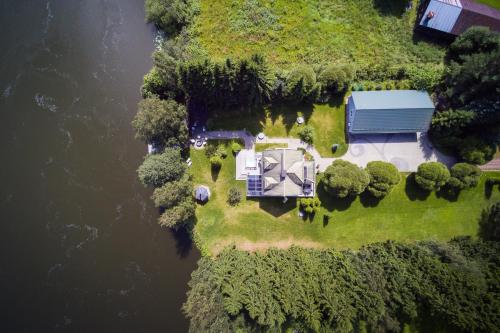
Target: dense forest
{"x": 451, "y": 287}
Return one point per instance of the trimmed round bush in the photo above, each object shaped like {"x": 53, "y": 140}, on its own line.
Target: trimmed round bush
{"x": 431, "y": 176}
{"x": 234, "y": 196}
{"x": 221, "y": 151}
{"x": 383, "y": 177}
{"x": 306, "y": 134}
{"x": 310, "y": 206}
{"x": 343, "y": 179}
{"x": 464, "y": 175}
{"x": 236, "y": 147}
{"x": 216, "y": 162}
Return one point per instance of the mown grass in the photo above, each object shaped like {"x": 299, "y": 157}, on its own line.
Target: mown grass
{"x": 313, "y": 31}
{"x": 328, "y": 122}
{"x": 263, "y": 146}
{"x": 405, "y": 215}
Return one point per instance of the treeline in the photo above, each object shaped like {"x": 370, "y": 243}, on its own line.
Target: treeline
{"x": 469, "y": 125}
{"x": 447, "y": 286}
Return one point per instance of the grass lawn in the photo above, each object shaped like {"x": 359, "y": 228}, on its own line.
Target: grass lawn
{"x": 313, "y": 31}
{"x": 263, "y": 146}
{"x": 405, "y": 215}
{"x": 328, "y": 122}
{"x": 491, "y": 3}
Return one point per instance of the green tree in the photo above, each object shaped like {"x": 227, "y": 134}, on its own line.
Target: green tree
{"x": 335, "y": 78}
{"x": 162, "y": 122}
{"x": 173, "y": 192}
{"x": 476, "y": 151}
{"x": 159, "y": 169}
{"x": 474, "y": 40}
{"x": 301, "y": 84}
{"x": 476, "y": 78}
{"x": 383, "y": 177}
{"x": 306, "y": 134}
{"x": 464, "y": 175}
{"x": 490, "y": 223}
{"x": 343, "y": 179}
{"x": 178, "y": 215}
{"x": 431, "y": 176}
{"x": 425, "y": 77}
{"x": 234, "y": 196}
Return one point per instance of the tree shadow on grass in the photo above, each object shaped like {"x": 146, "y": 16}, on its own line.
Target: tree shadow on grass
{"x": 390, "y": 7}
{"x": 332, "y": 203}
{"x": 413, "y": 191}
{"x": 368, "y": 200}
{"x": 289, "y": 113}
{"x": 275, "y": 206}
{"x": 488, "y": 189}
{"x": 215, "y": 173}
{"x": 448, "y": 193}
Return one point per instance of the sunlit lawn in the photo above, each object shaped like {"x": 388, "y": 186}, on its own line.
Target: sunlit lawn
{"x": 328, "y": 122}
{"x": 405, "y": 215}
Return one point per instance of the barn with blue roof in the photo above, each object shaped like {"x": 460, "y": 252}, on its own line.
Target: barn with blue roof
{"x": 389, "y": 111}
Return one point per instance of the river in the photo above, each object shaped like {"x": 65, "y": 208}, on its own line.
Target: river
{"x": 80, "y": 248}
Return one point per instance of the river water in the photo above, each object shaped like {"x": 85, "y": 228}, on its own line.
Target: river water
{"x": 80, "y": 249}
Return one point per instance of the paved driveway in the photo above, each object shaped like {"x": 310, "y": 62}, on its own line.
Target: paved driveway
{"x": 406, "y": 151}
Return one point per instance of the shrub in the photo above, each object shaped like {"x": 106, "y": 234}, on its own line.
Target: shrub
{"x": 335, "y": 79}
{"x": 309, "y": 205}
{"x": 216, "y": 162}
{"x": 221, "y": 151}
{"x": 158, "y": 169}
{"x": 236, "y": 147}
{"x": 210, "y": 150}
{"x": 490, "y": 223}
{"x": 234, "y": 196}
{"x": 425, "y": 77}
{"x": 306, "y": 134}
{"x": 383, "y": 177}
{"x": 431, "y": 176}
{"x": 476, "y": 151}
{"x": 170, "y": 15}
{"x": 301, "y": 84}
{"x": 464, "y": 175}
{"x": 342, "y": 179}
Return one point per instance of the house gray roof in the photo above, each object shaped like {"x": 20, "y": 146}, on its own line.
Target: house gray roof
{"x": 390, "y": 111}
{"x": 286, "y": 173}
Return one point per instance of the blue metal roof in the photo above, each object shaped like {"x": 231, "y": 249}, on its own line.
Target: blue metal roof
{"x": 391, "y": 111}
{"x": 444, "y": 14}
{"x": 391, "y": 99}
